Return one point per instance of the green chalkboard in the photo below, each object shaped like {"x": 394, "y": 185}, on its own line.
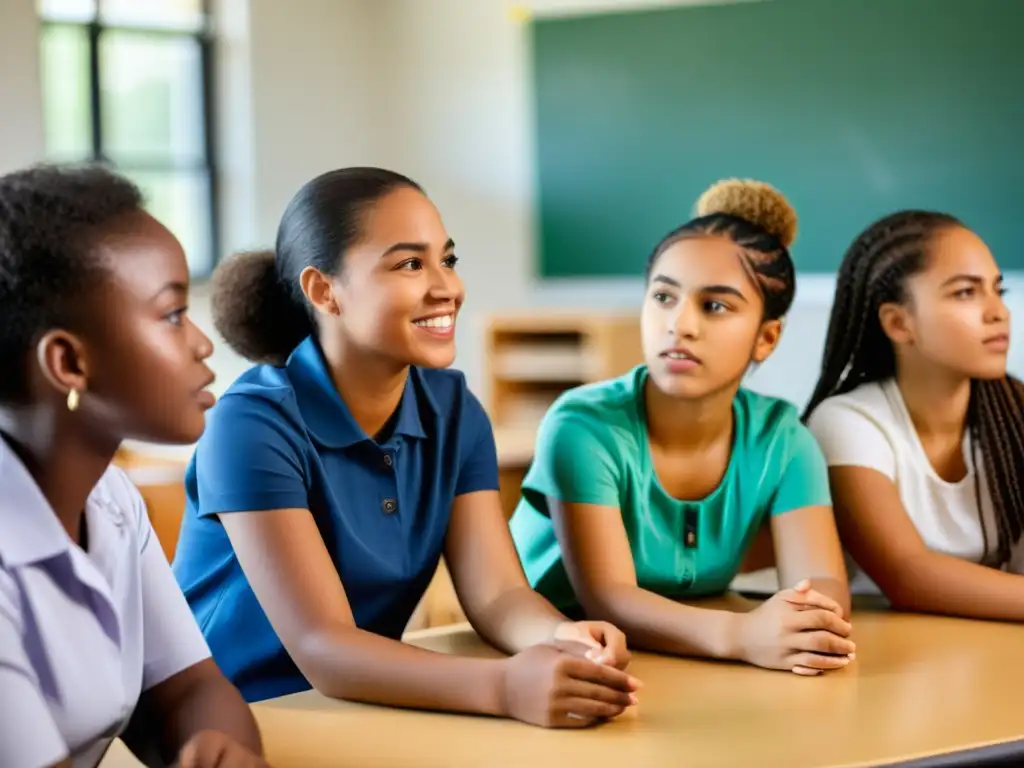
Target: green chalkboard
{"x": 853, "y": 108}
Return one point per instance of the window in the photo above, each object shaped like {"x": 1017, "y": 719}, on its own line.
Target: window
{"x": 129, "y": 82}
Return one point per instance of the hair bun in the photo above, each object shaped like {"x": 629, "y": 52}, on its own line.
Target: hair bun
{"x": 754, "y": 201}
{"x": 253, "y": 310}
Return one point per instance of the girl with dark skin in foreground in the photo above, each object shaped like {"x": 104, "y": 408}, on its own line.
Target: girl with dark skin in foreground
{"x": 95, "y": 348}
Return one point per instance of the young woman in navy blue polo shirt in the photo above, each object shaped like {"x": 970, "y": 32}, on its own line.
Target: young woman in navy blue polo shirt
{"x": 334, "y": 474}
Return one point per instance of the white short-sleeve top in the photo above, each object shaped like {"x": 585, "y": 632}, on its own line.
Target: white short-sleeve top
{"x": 82, "y": 633}
{"x": 871, "y": 427}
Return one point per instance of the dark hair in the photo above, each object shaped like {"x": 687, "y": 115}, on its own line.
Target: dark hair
{"x": 761, "y": 222}
{"x": 258, "y": 304}
{"x": 50, "y": 219}
{"x": 857, "y": 351}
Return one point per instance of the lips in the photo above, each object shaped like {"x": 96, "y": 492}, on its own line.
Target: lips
{"x": 441, "y": 322}
{"x": 678, "y": 354}
{"x": 205, "y": 397}
{"x": 999, "y": 342}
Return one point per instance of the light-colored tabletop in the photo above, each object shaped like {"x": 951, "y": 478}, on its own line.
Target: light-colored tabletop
{"x": 921, "y": 686}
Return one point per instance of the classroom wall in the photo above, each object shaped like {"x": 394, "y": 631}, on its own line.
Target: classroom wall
{"x": 461, "y": 119}
{"x": 438, "y": 89}
{"x": 297, "y": 94}
{"x": 21, "y": 109}
{"x": 297, "y": 97}
{"x": 461, "y": 109}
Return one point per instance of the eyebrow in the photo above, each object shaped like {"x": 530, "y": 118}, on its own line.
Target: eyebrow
{"x": 416, "y": 247}
{"x": 726, "y": 289}
{"x": 666, "y": 280}
{"x": 175, "y": 285}
{"x": 973, "y": 279}
{"x": 719, "y": 289}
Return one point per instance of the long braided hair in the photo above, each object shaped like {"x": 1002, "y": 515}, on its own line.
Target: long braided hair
{"x": 857, "y": 351}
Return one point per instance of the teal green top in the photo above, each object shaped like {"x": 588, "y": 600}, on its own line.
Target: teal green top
{"x": 592, "y": 448}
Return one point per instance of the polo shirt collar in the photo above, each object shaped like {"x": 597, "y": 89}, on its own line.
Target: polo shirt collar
{"x": 326, "y": 415}
{"x": 29, "y": 530}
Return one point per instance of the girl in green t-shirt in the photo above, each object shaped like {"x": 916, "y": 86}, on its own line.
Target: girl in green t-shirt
{"x": 649, "y": 489}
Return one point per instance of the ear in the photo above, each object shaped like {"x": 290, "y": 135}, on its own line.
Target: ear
{"x": 767, "y": 339}
{"x": 62, "y": 360}
{"x": 320, "y": 291}
{"x": 896, "y": 323}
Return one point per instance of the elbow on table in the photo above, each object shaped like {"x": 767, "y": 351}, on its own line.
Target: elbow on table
{"x": 319, "y": 654}
{"x": 906, "y": 591}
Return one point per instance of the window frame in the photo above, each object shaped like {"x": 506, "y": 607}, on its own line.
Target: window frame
{"x": 209, "y": 166}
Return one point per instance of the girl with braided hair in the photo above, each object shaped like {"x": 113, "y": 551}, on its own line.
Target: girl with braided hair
{"x": 649, "y": 489}
{"x": 922, "y": 428}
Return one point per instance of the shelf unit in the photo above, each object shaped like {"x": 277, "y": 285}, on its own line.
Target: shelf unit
{"x": 530, "y": 358}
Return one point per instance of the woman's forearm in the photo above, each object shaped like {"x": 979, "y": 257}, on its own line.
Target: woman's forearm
{"x": 211, "y": 704}
{"x": 357, "y": 665}
{"x": 659, "y": 624}
{"x": 517, "y": 619}
{"x": 936, "y": 583}
{"x": 835, "y": 587}
{"x": 175, "y": 710}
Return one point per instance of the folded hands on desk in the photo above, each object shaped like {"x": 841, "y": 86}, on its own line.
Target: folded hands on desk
{"x": 798, "y": 629}
{"x": 557, "y": 684}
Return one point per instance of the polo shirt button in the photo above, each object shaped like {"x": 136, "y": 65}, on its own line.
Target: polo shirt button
{"x": 387, "y": 459}
{"x": 389, "y": 505}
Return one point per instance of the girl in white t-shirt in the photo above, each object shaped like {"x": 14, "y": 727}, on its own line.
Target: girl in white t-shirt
{"x": 922, "y": 428}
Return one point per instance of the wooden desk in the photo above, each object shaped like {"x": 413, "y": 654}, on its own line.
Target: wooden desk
{"x": 921, "y": 686}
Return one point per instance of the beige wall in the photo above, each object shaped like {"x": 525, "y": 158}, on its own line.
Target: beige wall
{"x": 21, "y": 115}
{"x": 437, "y": 89}
{"x": 294, "y": 102}
{"x": 459, "y": 122}
{"x": 312, "y": 104}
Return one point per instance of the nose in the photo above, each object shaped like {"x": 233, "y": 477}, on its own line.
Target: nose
{"x": 996, "y": 310}
{"x": 445, "y": 285}
{"x": 200, "y": 342}
{"x": 685, "y": 322}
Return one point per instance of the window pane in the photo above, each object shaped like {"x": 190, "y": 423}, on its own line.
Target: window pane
{"x": 181, "y": 201}
{"x": 67, "y": 10}
{"x": 151, "y": 90}
{"x": 172, "y": 14}
{"x": 64, "y": 71}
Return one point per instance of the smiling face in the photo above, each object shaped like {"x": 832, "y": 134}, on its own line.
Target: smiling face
{"x": 702, "y": 318}
{"x": 138, "y": 361}
{"x": 397, "y": 293}
{"x": 954, "y": 316}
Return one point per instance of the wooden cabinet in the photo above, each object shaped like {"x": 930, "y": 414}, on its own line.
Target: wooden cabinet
{"x": 532, "y": 358}
{"x": 529, "y": 360}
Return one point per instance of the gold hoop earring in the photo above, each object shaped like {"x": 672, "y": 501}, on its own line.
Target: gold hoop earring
{"x": 73, "y": 400}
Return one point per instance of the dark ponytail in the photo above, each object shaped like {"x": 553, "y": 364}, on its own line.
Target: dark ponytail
{"x": 258, "y": 304}
{"x": 857, "y": 351}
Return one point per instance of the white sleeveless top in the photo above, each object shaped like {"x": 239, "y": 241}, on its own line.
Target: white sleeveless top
{"x": 871, "y": 427}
